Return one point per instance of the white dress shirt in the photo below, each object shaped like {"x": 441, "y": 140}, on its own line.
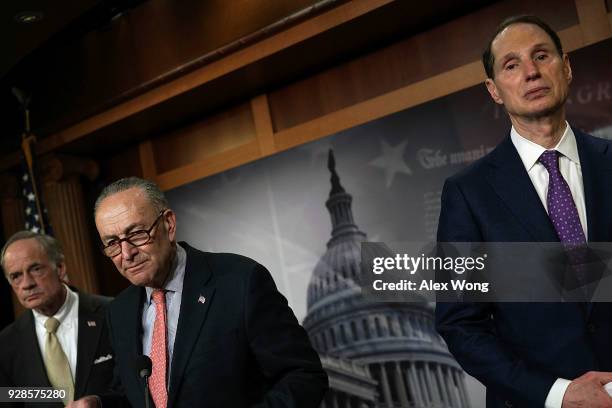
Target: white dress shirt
{"x": 68, "y": 330}
{"x": 174, "y": 288}
{"x": 569, "y": 166}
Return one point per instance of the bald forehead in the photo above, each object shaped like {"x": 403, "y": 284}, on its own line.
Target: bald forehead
{"x": 134, "y": 199}
{"x": 519, "y": 34}
{"x": 24, "y": 249}
{"x": 123, "y": 212}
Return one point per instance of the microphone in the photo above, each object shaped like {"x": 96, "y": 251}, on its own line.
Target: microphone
{"x": 143, "y": 365}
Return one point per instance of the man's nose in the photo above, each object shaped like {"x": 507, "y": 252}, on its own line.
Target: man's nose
{"x": 532, "y": 71}
{"x": 128, "y": 250}
{"x": 27, "y": 282}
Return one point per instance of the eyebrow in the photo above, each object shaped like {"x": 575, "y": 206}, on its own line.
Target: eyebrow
{"x": 509, "y": 56}
{"x": 13, "y": 275}
{"x": 28, "y": 268}
{"x": 33, "y": 265}
{"x": 126, "y": 231}
{"x": 536, "y": 47}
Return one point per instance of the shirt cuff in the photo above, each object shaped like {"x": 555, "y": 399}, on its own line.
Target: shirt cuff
{"x": 556, "y": 393}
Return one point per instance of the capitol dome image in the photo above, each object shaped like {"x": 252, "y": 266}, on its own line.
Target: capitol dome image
{"x": 376, "y": 354}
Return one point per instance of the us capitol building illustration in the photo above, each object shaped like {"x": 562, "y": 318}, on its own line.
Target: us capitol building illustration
{"x": 377, "y": 355}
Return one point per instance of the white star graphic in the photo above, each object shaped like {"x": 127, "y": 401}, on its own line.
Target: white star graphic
{"x": 31, "y": 197}
{"x": 35, "y": 229}
{"x": 25, "y": 177}
{"x": 28, "y": 210}
{"x": 392, "y": 161}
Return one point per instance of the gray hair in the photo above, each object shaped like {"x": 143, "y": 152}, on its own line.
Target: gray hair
{"x": 52, "y": 246}
{"x": 151, "y": 190}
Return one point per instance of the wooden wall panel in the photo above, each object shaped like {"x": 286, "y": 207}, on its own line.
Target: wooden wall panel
{"x": 124, "y": 163}
{"x": 388, "y": 80}
{"x": 593, "y": 12}
{"x": 157, "y": 39}
{"x": 414, "y": 59}
{"x": 211, "y": 136}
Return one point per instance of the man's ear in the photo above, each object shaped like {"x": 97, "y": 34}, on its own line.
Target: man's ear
{"x": 170, "y": 221}
{"x": 567, "y": 68}
{"x": 61, "y": 272}
{"x": 490, "y": 84}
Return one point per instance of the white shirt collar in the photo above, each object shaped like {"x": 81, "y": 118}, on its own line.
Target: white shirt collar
{"x": 530, "y": 152}
{"x": 63, "y": 311}
{"x": 175, "y": 284}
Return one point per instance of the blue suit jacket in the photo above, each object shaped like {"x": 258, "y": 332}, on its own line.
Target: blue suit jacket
{"x": 518, "y": 350}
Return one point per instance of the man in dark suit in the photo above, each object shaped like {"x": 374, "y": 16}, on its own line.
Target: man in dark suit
{"x": 75, "y": 354}
{"x": 543, "y": 177}
{"x": 218, "y": 332}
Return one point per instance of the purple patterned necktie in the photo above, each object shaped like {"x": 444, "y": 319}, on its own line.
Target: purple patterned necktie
{"x": 561, "y": 207}
{"x": 564, "y": 216}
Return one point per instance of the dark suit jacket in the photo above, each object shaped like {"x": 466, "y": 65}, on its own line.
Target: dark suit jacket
{"x": 518, "y": 350}
{"x": 21, "y": 362}
{"x": 241, "y": 347}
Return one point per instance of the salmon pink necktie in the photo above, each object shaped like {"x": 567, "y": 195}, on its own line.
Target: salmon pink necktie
{"x": 159, "y": 351}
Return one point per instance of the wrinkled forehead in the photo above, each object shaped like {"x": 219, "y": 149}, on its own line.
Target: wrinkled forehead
{"x": 519, "y": 37}
{"x": 24, "y": 251}
{"x": 124, "y": 208}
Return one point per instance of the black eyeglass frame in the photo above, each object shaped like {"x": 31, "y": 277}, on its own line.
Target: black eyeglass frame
{"x": 117, "y": 242}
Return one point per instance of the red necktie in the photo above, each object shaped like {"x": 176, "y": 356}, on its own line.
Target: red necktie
{"x": 159, "y": 351}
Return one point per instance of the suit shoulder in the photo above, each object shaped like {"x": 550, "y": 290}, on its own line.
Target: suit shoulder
{"x": 228, "y": 263}
{"x": 225, "y": 266}
{"x": 9, "y": 335}
{"x": 593, "y": 140}
{"x": 124, "y": 296}
{"x": 97, "y": 300}
{"x": 474, "y": 171}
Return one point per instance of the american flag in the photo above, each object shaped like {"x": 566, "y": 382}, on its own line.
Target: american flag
{"x": 33, "y": 204}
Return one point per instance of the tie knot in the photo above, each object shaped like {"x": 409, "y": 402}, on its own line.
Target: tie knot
{"x": 159, "y": 296}
{"x": 549, "y": 160}
{"x": 52, "y": 324}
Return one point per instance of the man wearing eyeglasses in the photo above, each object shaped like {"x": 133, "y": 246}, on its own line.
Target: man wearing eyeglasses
{"x": 61, "y": 341}
{"x": 218, "y": 332}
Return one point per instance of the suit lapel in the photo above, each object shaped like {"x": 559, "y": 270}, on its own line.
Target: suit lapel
{"x": 34, "y": 364}
{"x": 90, "y": 328}
{"x": 198, "y": 292}
{"x": 512, "y": 184}
{"x": 127, "y": 328}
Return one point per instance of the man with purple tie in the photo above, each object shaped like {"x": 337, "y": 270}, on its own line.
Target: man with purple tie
{"x": 546, "y": 182}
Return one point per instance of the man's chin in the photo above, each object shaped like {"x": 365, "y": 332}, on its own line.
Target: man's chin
{"x": 138, "y": 278}
{"x": 542, "y": 111}
{"x": 34, "y": 303}
{"x": 543, "y": 107}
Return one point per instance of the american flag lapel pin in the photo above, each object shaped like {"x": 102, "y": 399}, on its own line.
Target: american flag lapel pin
{"x": 201, "y": 299}
{"x": 91, "y": 323}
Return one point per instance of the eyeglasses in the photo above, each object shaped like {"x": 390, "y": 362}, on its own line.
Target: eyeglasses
{"x": 134, "y": 238}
